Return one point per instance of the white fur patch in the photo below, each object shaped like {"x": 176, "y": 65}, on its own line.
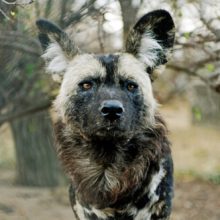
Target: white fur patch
{"x": 155, "y": 183}
{"x": 145, "y": 213}
{"x": 56, "y": 61}
{"x": 133, "y": 69}
{"x": 148, "y": 53}
{"x": 101, "y": 214}
{"x": 79, "y": 211}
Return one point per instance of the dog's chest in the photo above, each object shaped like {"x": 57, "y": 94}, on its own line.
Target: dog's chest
{"x": 147, "y": 204}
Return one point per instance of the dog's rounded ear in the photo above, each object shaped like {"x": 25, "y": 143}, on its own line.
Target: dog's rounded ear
{"x": 58, "y": 48}
{"x": 49, "y": 30}
{"x": 152, "y": 38}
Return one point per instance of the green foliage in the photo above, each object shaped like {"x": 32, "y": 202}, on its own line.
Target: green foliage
{"x": 197, "y": 113}
{"x": 193, "y": 175}
{"x": 13, "y": 13}
{"x": 187, "y": 35}
{"x": 187, "y": 174}
{"x": 29, "y": 69}
{"x": 214, "y": 178}
{"x": 40, "y": 85}
{"x": 210, "y": 67}
{"x": 180, "y": 14}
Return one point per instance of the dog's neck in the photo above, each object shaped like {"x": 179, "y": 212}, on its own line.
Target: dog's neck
{"x": 129, "y": 206}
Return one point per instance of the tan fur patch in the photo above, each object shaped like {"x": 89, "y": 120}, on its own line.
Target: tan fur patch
{"x": 80, "y": 67}
{"x": 133, "y": 69}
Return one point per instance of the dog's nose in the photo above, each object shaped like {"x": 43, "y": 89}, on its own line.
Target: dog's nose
{"x": 111, "y": 109}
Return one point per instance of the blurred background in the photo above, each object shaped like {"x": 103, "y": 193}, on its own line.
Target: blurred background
{"x": 32, "y": 184}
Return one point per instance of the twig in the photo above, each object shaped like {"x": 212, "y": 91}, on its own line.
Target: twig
{"x": 3, "y": 13}
{"x": 213, "y": 84}
{"x": 85, "y": 10}
{"x": 9, "y": 3}
{"x": 24, "y": 112}
{"x": 20, "y": 47}
{"x": 100, "y": 33}
{"x": 24, "y": 2}
{"x": 189, "y": 72}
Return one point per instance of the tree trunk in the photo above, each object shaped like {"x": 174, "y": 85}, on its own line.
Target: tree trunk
{"x": 129, "y": 13}
{"x": 36, "y": 159}
{"x": 21, "y": 85}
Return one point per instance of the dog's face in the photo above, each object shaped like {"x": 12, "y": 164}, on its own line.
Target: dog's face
{"x": 109, "y": 96}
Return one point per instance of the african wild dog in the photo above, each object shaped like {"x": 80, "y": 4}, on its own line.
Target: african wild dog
{"x": 110, "y": 138}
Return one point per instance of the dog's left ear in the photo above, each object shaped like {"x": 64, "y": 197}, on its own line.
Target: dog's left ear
{"x": 152, "y": 39}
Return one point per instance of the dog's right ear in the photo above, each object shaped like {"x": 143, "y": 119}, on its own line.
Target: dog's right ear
{"x": 58, "y": 48}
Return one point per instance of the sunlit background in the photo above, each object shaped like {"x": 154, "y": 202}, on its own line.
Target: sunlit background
{"x": 32, "y": 184}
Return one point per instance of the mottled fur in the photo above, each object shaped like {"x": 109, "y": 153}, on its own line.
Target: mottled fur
{"x": 121, "y": 167}
{"x": 103, "y": 180}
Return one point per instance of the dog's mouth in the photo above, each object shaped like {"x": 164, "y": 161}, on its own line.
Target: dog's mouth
{"x": 106, "y": 130}
{"x": 110, "y": 130}
{"x": 112, "y": 124}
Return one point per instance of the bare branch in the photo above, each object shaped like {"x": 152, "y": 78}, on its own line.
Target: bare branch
{"x": 9, "y": 3}
{"x": 18, "y": 36}
{"x": 213, "y": 81}
{"x": 208, "y": 24}
{"x": 18, "y": 2}
{"x": 3, "y": 13}
{"x": 48, "y": 8}
{"x": 24, "y": 112}
{"x": 13, "y": 4}
{"x": 21, "y": 47}
{"x": 187, "y": 71}
{"x": 100, "y": 33}
{"x": 63, "y": 5}
{"x": 85, "y": 10}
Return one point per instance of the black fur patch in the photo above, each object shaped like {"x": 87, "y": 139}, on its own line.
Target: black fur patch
{"x": 44, "y": 40}
{"x": 110, "y": 63}
{"x": 159, "y": 24}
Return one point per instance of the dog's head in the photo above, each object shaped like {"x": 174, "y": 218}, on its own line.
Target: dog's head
{"x": 108, "y": 95}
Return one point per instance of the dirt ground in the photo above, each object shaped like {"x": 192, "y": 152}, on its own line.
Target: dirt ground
{"x": 26, "y": 203}
{"x": 196, "y": 153}
{"x": 194, "y": 200}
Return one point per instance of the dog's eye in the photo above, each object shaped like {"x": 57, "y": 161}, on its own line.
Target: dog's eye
{"x": 86, "y": 85}
{"x": 132, "y": 87}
